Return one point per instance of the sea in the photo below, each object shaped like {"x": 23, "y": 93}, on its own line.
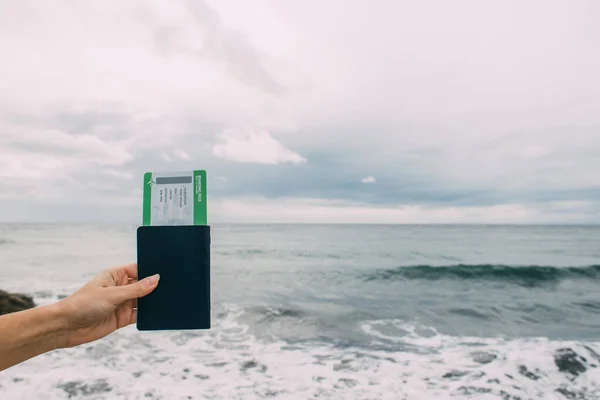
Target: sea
{"x": 333, "y": 312}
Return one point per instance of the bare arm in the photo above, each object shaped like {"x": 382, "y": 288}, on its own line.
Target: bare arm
{"x": 26, "y": 334}
{"x": 103, "y": 305}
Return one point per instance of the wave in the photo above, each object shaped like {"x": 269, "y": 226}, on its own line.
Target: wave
{"x": 273, "y": 313}
{"x": 526, "y": 275}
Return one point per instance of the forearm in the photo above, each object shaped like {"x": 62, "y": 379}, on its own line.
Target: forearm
{"x": 26, "y": 334}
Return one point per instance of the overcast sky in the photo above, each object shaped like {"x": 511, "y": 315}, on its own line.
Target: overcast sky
{"x": 303, "y": 110}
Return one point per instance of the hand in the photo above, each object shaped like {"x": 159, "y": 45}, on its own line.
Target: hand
{"x": 106, "y": 303}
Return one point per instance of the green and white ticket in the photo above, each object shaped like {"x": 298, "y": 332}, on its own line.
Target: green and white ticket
{"x": 175, "y": 198}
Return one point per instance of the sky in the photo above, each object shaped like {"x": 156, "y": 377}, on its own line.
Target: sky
{"x": 387, "y": 111}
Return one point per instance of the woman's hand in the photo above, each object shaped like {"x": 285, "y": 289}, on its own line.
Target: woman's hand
{"x": 101, "y": 306}
{"x": 106, "y": 303}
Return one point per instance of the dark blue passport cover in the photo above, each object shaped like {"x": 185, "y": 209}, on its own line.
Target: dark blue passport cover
{"x": 181, "y": 255}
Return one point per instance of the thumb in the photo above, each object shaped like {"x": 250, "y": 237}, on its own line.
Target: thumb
{"x": 136, "y": 290}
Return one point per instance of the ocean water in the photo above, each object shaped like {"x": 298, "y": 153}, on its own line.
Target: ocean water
{"x": 338, "y": 311}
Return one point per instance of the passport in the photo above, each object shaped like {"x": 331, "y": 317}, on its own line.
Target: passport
{"x": 181, "y": 255}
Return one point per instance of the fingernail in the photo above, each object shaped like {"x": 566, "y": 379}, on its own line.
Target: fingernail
{"x": 153, "y": 280}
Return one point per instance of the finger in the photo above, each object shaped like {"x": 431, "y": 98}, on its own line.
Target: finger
{"x": 130, "y": 304}
{"x": 120, "y": 294}
{"x": 124, "y": 313}
{"x": 133, "y": 317}
{"x": 122, "y": 273}
{"x": 131, "y": 270}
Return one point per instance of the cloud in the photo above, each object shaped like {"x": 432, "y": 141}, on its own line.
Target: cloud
{"x": 463, "y": 120}
{"x": 368, "y": 179}
{"x": 183, "y": 155}
{"x": 290, "y": 210}
{"x": 253, "y": 146}
{"x": 45, "y": 152}
{"x": 231, "y": 46}
{"x": 118, "y": 174}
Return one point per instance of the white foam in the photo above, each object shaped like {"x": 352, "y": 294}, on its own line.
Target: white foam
{"x": 229, "y": 363}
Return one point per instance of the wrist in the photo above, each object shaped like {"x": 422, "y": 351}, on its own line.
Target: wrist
{"x": 51, "y": 331}
{"x": 58, "y": 325}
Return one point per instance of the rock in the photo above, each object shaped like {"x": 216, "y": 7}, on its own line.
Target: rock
{"x": 568, "y": 361}
{"x": 13, "y": 302}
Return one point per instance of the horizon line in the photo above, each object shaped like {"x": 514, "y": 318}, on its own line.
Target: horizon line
{"x": 318, "y": 223}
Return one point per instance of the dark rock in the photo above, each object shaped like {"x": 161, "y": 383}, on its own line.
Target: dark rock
{"x": 568, "y": 361}
{"x": 13, "y": 302}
